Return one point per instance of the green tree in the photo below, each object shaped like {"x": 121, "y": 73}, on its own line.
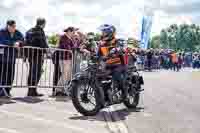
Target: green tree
{"x": 53, "y": 40}
{"x": 133, "y": 42}
{"x": 155, "y": 42}
{"x": 182, "y": 37}
{"x": 164, "y": 39}
{"x": 97, "y": 37}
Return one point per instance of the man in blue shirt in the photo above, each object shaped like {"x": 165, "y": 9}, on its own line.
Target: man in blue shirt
{"x": 10, "y": 39}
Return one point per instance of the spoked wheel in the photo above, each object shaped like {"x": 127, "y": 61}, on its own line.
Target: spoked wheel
{"x": 85, "y": 98}
{"x": 68, "y": 88}
{"x": 133, "y": 100}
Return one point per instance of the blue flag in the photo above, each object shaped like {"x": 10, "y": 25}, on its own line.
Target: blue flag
{"x": 145, "y": 31}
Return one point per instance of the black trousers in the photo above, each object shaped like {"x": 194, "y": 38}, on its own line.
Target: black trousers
{"x": 56, "y": 74}
{"x": 149, "y": 64}
{"x": 7, "y": 74}
{"x": 35, "y": 73}
{"x": 119, "y": 76}
{"x": 176, "y": 67}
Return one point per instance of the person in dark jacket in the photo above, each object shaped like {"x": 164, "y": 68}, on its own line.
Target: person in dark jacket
{"x": 180, "y": 61}
{"x": 9, "y": 37}
{"x": 57, "y": 72}
{"x": 35, "y": 37}
{"x": 149, "y": 59}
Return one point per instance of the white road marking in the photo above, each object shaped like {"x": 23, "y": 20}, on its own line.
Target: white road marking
{"x": 7, "y": 130}
{"x": 122, "y": 127}
{"x": 47, "y": 121}
{"x": 147, "y": 114}
{"x": 116, "y": 126}
{"x": 111, "y": 125}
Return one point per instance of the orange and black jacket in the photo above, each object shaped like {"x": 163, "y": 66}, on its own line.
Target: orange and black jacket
{"x": 115, "y": 59}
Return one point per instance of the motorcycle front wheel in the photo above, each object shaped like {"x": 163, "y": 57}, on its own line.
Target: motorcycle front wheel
{"x": 85, "y": 98}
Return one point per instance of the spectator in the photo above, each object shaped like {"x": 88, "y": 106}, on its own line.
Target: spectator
{"x": 139, "y": 63}
{"x": 157, "y": 60}
{"x": 35, "y": 37}
{"x": 67, "y": 42}
{"x": 171, "y": 60}
{"x": 57, "y": 71}
{"x": 8, "y": 37}
{"x": 142, "y": 58}
{"x": 162, "y": 61}
{"x": 185, "y": 64}
{"x": 81, "y": 37}
{"x": 175, "y": 61}
{"x": 195, "y": 60}
{"x": 190, "y": 59}
{"x": 149, "y": 59}
{"x": 90, "y": 46}
{"x": 132, "y": 57}
{"x": 180, "y": 61}
{"x": 199, "y": 61}
{"x": 79, "y": 40}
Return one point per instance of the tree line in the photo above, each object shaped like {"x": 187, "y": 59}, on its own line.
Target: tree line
{"x": 182, "y": 37}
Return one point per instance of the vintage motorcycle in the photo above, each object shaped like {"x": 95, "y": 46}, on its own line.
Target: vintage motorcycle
{"x": 93, "y": 89}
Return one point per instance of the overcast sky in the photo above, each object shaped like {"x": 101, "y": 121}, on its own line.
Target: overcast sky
{"x": 126, "y": 15}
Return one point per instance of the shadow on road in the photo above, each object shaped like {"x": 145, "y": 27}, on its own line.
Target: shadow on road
{"x": 62, "y": 99}
{"x": 30, "y": 100}
{"x": 121, "y": 115}
{"x": 138, "y": 109}
{"x": 99, "y": 117}
{"x": 6, "y": 101}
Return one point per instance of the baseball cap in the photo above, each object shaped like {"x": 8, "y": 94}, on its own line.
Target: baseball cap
{"x": 71, "y": 29}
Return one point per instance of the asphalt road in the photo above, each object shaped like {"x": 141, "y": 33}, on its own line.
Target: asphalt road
{"x": 169, "y": 104}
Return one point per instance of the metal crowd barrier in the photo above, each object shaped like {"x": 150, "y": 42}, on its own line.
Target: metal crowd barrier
{"x": 31, "y": 67}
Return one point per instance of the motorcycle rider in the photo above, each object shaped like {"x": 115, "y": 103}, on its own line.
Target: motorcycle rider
{"x": 109, "y": 50}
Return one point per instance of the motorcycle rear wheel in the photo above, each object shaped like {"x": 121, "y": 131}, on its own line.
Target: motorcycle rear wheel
{"x": 132, "y": 103}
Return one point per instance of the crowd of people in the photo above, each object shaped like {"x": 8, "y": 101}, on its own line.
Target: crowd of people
{"x": 74, "y": 39}
{"x": 11, "y": 40}
{"x": 166, "y": 59}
